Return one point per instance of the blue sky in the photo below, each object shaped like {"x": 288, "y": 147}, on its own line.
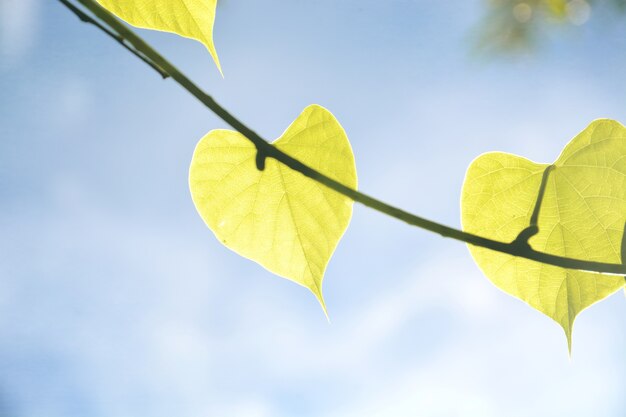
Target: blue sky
{"x": 115, "y": 300}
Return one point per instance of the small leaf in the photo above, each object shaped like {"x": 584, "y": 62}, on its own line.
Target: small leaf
{"x": 277, "y": 217}
{"x": 189, "y": 18}
{"x": 582, "y": 216}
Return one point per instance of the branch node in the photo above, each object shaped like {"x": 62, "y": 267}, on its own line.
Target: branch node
{"x": 521, "y": 241}
{"x": 261, "y": 156}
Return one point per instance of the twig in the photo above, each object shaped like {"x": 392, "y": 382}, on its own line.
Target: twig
{"x": 267, "y": 150}
{"x": 84, "y": 17}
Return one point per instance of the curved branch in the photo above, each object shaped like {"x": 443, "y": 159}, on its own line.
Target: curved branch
{"x": 267, "y": 150}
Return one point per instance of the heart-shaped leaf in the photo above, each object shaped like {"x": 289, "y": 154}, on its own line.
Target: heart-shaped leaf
{"x": 277, "y": 217}
{"x": 189, "y": 18}
{"x": 582, "y": 216}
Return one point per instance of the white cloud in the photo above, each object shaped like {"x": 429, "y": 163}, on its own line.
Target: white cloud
{"x": 131, "y": 317}
{"x": 73, "y": 102}
{"x": 19, "y": 25}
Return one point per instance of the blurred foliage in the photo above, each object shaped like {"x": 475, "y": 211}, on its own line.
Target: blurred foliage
{"x": 514, "y": 25}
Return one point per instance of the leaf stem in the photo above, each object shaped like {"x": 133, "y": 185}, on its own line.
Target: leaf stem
{"x": 533, "y": 228}
{"x": 267, "y": 150}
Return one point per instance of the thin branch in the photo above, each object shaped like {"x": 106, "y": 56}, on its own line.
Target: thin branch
{"x": 84, "y": 17}
{"x": 267, "y": 150}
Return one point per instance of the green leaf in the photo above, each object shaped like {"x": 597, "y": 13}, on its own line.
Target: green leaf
{"x": 189, "y": 18}
{"x": 582, "y": 216}
{"x": 277, "y": 217}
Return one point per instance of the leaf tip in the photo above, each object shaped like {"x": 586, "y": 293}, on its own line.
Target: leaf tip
{"x": 568, "y": 336}
{"x": 217, "y": 61}
{"x": 219, "y": 68}
{"x": 210, "y": 46}
{"x": 317, "y": 292}
{"x": 569, "y": 345}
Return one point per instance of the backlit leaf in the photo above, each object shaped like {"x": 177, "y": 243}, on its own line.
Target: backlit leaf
{"x": 279, "y": 218}
{"x": 189, "y": 18}
{"x": 582, "y": 216}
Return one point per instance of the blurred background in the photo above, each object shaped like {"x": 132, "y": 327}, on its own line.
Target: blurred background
{"x": 116, "y": 300}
